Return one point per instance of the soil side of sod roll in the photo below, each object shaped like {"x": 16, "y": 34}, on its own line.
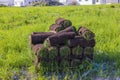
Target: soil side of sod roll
{"x": 36, "y": 48}
{"x": 39, "y": 38}
{"x": 59, "y": 38}
{"x": 77, "y": 41}
{"x": 66, "y": 35}
{"x": 59, "y": 21}
{"x": 56, "y": 28}
{"x": 63, "y": 22}
{"x": 82, "y": 30}
{"x": 86, "y": 33}
{"x": 66, "y": 23}
{"x": 51, "y": 41}
{"x": 69, "y": 29}
{"x": 91, "y": 43}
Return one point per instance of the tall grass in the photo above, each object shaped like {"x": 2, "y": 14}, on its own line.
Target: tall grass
{"x": 16, "y": 24}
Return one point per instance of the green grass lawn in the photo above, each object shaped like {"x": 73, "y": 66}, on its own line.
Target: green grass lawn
{"x": 16, "y": 24}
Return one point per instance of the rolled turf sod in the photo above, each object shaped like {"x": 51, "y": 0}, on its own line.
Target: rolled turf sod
{"x": 39, "y": 38}
{"x": 77, "y": 41}
{"x": 51, "y": 41}
{"x": 69, "y": 29}
{"x": 44, "y": 67}
{"x": 84, "y": 43}
{"x": 53, "y": 66}
{"x": 88, "y": 52}
{"x": 86, "y": 33}
{"x": 36, "y": 48}
{"x": 43, "y": 52}
{"x": 75, "y": 63}
{"x": 59, "y": 39}
{"x": 64, "y": 65}
{"x": 53, "y": 52}
{"x": 59, "y": 20}
{"x": 66, "y": 35}
{"x": 65, "y": 23}
{"x": 77, "y": 50}
{"x": 39, "y": 32}
{"x": 50, "y": 64}
{"x": 91, "y": 43}
{"x": 56, "y": 28}
{"x": 64, "y": 51}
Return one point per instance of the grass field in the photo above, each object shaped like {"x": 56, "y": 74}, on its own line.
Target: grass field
{"x": 16, "y": 24}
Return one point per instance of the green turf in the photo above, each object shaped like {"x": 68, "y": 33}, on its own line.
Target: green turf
{"x": 16, "y": 24}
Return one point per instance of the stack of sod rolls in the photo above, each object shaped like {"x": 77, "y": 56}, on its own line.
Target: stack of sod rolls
{"x": 63, "y": 47}
{"x": 89, "y": 37}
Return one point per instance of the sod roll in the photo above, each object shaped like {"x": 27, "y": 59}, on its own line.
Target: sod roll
{"x": 56, "y": 28}
{"x": 88, "y": 52}
{"x": 39, "y": 38}
{"x": 91, "y": 43}
{"x": 36, "y": 48}
{"x": 64, "y": 65}
{"x": 59, "y": 39}
{"x": 39, "y": 32}
{"x": 59, "y": 21}
{"x": 43, "y": 52}
{"x": 53, "y": 66}
{"x": 48, "y": 65}
{"x": 53, "y": 52}
{"x": 77, "y": 50}
{"x": 77, "y": 41}
{"x": 44, "y": 67}
{"x": 64, "y": 51}
{"x": 86, "y": 33}
{"x": 66, "y": 35}
{"x": 66, "y": 23}
{"x": 69, "y": 29}
{"x": 51, "y": 41}
{"x": 75, "y": 63}
{"x": 63, "y": 22}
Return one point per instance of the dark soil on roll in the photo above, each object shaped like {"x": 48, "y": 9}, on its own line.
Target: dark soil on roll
{"x": 68, "y": 29}
{"x": 56, "y": 27}
{"x": 36, "y": 48}
{"x": 39, "y": 38}
{"x": 59, "y": 21}
{"x": 76, "y": 41}
{"x": 91, "y": 43}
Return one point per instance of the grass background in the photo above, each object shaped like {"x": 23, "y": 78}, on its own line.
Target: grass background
{"x": 16, "y": 24}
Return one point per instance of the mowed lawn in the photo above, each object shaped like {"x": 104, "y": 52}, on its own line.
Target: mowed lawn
{"x": 16, "y": 24}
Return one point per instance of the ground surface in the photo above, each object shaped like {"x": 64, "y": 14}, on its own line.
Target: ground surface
{"x": 16, "y": 24}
